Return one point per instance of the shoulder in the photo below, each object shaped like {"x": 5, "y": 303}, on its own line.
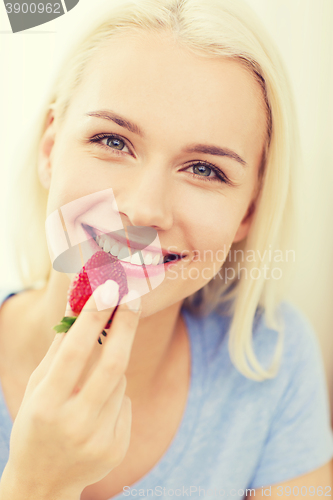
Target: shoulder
{"x": 300, "y": 342}
{"x": 299, "y": 436}
{"x": 289, "y": 318}
{"x": 300, "y": 355}
{"x": 296, "y": 324}
{"x": 298, "y": 333}
{"x": 5, "y": 293}
{"x": 11, "y": 310}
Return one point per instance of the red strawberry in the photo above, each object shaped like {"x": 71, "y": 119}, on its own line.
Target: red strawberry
{"x": 101, "y": 267}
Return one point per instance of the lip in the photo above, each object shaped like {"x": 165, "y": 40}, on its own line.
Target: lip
{"x": 133, "y": 243}
{"x": 142, "y": 271}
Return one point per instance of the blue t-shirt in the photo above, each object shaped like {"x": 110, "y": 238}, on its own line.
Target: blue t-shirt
{"x": 237, "y": 433}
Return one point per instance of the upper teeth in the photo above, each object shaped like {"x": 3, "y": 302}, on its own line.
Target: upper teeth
{"x": 122, "y": 252}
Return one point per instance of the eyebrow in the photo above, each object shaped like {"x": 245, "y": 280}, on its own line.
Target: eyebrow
{"x": 119, "y": 120}
{"x": 192, "y": 148}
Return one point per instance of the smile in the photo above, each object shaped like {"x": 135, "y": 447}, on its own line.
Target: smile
{"x": 110, "y": 244}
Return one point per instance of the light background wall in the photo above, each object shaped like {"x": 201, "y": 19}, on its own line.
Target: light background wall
{"x": 303, "y": 31}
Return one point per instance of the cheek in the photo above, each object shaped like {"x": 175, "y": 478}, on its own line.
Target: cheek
{"x": 211, "y": 225}
{"x": 71, "y": 178}
{"x": 65, "y": 180}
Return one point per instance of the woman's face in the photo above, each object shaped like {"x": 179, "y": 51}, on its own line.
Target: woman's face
{"x": 182, "y": 155}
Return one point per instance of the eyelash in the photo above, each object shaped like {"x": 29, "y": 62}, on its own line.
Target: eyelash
{"x": 220, "y": 177}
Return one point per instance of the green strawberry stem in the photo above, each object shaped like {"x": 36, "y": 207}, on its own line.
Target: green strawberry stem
{"x": 66, "y": 323}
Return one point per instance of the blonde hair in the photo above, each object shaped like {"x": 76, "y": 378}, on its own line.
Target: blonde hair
{"x": 220, "y": 28}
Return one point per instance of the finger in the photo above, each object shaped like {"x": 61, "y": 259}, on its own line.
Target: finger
{"x": 122, "y": 431}
{"x": 113, "y": 441}
{"x": 39, "y": 373}
{"x": 114, "y": 359}
{"x": 107, "y": 416}
{"x": 117, "y": 436}
{"x": 80, "y": 340}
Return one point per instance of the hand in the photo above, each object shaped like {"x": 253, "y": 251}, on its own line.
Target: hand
{"x": 66, "y": 436}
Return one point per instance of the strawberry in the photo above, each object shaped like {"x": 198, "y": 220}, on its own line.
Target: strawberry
{"x": 101, "y": 267}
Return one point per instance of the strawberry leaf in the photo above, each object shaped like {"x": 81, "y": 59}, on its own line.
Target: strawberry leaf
{"x": 65, "y": 324}
{"x": 68, "y": 319}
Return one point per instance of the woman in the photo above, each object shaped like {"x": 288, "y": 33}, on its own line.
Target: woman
{"x": 210, "y": 383}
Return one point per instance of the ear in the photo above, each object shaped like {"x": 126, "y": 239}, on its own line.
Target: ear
{"x": 245, "y": 225}
{"x": 45, "y": 149}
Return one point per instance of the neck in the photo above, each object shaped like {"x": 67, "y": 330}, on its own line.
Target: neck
{"x": 153, "y": 348}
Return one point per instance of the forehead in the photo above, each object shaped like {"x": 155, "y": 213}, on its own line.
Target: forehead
{"x": 152, "y": 79}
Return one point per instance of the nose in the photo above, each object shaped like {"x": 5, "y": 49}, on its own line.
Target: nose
{"x": 146, "y": 198}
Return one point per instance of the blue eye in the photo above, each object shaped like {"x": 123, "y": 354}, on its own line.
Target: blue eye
{"x": 116, "y": 144}
{"x": 200, "y": 167}
{"x": 111, "y": 141}
{"x": 204, "y": 175}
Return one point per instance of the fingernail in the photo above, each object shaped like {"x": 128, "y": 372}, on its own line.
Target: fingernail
{"x": 108, "y": 293}
{"x": 133, "y": 300}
